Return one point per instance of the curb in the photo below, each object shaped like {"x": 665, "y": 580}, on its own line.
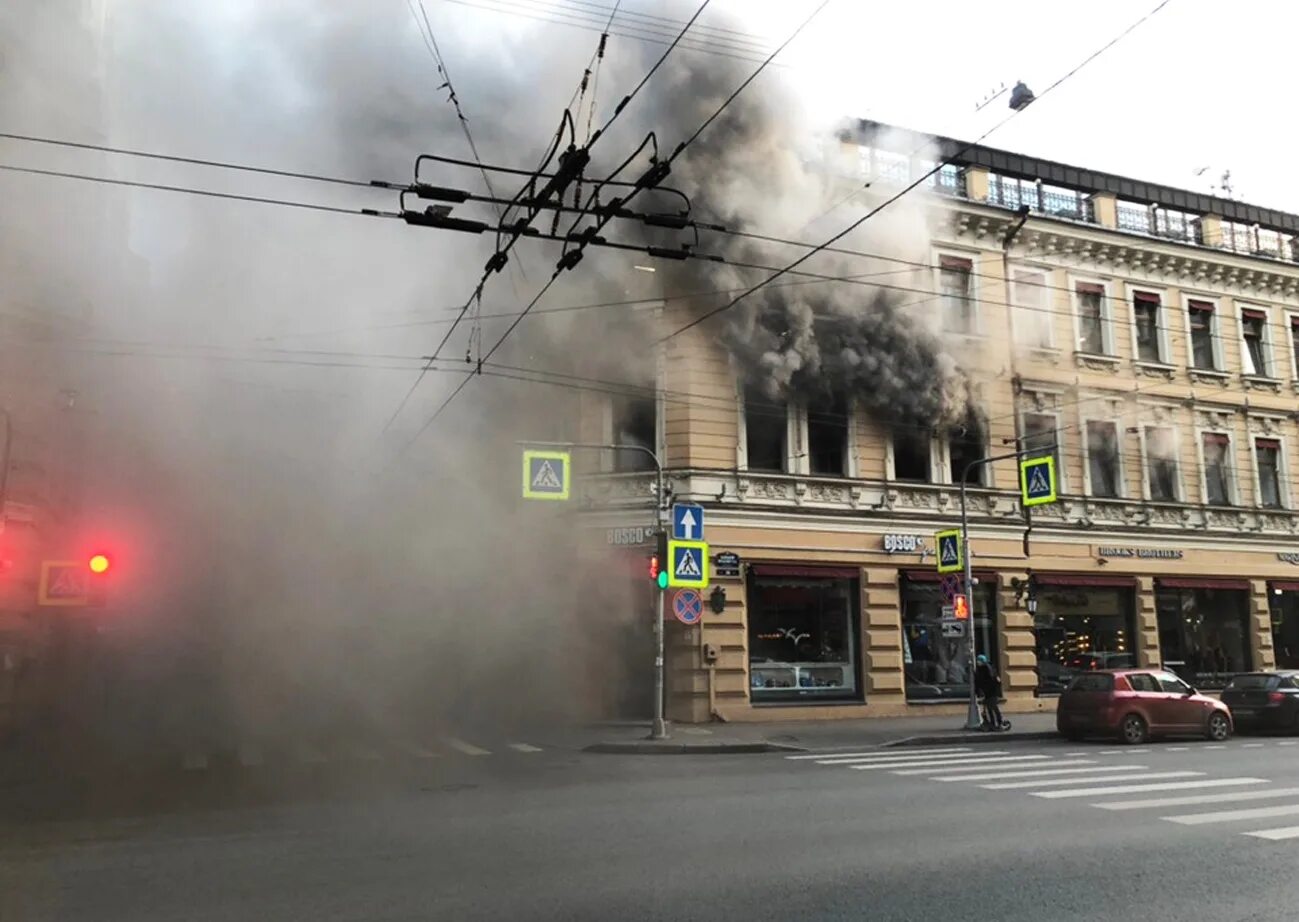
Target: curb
{"x": 654, "y": 747}
{"x": 976, "y": 737}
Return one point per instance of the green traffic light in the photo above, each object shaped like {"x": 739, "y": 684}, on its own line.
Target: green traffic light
{"x": 663, "y": 579}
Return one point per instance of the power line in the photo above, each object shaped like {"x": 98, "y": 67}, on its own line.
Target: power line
{"x": 366, "y": 212}
{"x": 913, "y": 185}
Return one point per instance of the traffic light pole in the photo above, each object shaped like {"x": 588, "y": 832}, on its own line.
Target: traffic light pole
{"x": 972, "y": 721}
{"x": 659, "y": 728}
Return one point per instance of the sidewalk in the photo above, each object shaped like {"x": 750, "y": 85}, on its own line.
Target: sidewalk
{"x": 776, "y": 736}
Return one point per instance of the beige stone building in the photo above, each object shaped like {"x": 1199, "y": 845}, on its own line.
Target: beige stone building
{"x": 1151, "y": 333}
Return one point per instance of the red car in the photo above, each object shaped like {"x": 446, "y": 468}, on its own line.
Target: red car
{"x": 1135, "y": 704}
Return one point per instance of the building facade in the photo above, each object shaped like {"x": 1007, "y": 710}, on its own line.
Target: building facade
{"x": 1149, "y": 334}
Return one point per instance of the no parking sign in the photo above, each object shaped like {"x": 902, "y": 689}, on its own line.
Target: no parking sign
{"x": 688, "y": 606}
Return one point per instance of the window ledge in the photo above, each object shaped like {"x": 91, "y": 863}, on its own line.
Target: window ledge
{"x": 1049, "y": 354}
{"x": 1097, "y": 362}
{"x": 1154, "y": 369}
{"x": 1261, "y": 383}
{"x": 1209, "y": 375}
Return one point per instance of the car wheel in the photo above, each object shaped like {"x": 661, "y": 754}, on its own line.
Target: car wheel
{"x": 1133, "y": 730}
{"x": 1219, "y": 727}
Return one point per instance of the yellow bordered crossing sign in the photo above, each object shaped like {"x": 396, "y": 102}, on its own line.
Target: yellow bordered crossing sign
{"x": 64, "y": 583}
{"x": 547, "y": 474}
{"x": 1037, "y": 481}
{"x": 688, "y": 564}
{"x": 948, "y": 551}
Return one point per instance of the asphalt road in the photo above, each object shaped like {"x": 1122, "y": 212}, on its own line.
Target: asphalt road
{"x": 1095, "y": 832}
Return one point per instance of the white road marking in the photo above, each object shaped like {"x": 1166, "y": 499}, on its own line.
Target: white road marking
{"x": 1289, "y": 743}
{"x": 1285, "y": 832}
{"x": 1177, "y": 748}
{"x": 1086, "y": 779}
{"x": 250, "y": 755}
{"x": 879, "y": 753}
{"x": 1057, "y": 770}
{"x": 524, "y": 747}
{"x": 884, "y": 760}
{"x": 1191, "y": 800}
{"x": 1161, "y": 786}
{"x": 1072, "y": 754}
{"x": 194, "y": 761}
{"x": 1227, "y": 816}
{"x": 467, "y": 748}
{"x": 1215, "y": 747}
{"x": 928, "y": 768}
{"x": 1251, "y": 746}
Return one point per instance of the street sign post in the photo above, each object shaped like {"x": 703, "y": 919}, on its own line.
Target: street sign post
{"x": 688, "y": 564}
{"x": 547, "y": 474}
{"x": 688, "y": 606}
{"x": 950, "y": 555}
{"x": 687, "y": 522}
{"x": 953, "y": 629}
{"x": 727, "y": 563}
{"x": 1037, "y": 481}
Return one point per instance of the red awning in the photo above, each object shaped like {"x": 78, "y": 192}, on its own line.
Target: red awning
{"x": 955, "y": 262}
{"x": 1084, "y": 579}
{"x": 1206, "y": 306}
{"x": 1202, "y": 582}
{"x": 804, "y": 569}
{"x": 1268, "y": 443}
{"x": 1284, "y": 585}
{"x": 1089, "y": 288}
{"x": 932, "y": 576}
{"x": 1253, "y": 314}
{"x": 1145, "y": 296}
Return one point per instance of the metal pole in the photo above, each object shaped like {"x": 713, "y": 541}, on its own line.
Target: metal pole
{"x": 972, "y": 721}
{"x": 659, "y": 727}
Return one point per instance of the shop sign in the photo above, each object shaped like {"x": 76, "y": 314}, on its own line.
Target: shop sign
{"x": 1288, "y": 557}
{"x": 903, "y": 544}
{"x": 1158, "y": 553}
{"x": 727, "y": 563}
{"x": 629, "y": 536}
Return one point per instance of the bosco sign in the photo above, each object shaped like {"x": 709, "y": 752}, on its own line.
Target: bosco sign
{"x": 903, "y": 544}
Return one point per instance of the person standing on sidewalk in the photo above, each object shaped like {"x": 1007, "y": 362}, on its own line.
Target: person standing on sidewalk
{"x": 987, "y": 684}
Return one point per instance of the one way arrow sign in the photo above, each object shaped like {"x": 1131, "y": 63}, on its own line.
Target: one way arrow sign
{"x": 687, "y": 522}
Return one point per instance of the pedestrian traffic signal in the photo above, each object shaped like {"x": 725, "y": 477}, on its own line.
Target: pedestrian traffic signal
{"x": 655, "y": 567}
{"x": 658, "y": 568}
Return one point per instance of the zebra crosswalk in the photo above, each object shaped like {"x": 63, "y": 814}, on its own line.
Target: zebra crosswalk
{"x": 1247, "y": 804}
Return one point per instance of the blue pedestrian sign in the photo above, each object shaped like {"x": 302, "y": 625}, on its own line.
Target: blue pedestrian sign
{"x": 688, "y": 522}
{"x": 688, "y": 564}
{"x": 546, "y": 474}
{"x": 948, "y": 544}
{"x": 688, "y": 606}
{"x": 1037, "y": 481}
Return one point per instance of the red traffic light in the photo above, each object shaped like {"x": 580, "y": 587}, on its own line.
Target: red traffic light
{"x": 99, "y": 563}
{"x": 654, "y": 567}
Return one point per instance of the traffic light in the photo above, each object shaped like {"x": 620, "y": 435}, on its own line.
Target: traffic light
{"x": 658, "y": 562}
{"x": 99, "y": 564}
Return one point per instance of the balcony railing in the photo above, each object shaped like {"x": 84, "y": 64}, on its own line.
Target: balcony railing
{"x": 1258, "y": 241}
{"x": 1055, "y": 201}
{"x": 1159, "y": 222}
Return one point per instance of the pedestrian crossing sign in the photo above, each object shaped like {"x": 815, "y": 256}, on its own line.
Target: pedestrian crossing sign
{"x": 689, "y": 564}
{"x": 949, "y": 551}
{"x": 1037, "y": 481}
{"x": 546, "y": 474}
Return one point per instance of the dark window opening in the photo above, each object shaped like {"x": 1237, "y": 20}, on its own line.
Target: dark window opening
{"x": 958, "y": 305}
{"x": 1103, "y": 458}
{"x": 1161, "y": 462}
{"x": 1041, "y": 439}
{"x": 766, "y": 427}
{"x": 911, "y": 455}
{"x": 1252, "y": 324}
{"x": 1268, "y": 453}
{"x": 635, "y": 421}
{"x": 1285, "y": 627}
{"x": 965, "y": 445}
{"x": 827, "y": 436}
{"x": 1204, "y": 633}
{"x": 803, "y": 638}
{"x": 1217, "y": 483}
{"x": 1202, "y": 335}
{"x": 1146, "y": 309}
{"x": 1294, "y": 343}
{"x": 1091, "y": 318}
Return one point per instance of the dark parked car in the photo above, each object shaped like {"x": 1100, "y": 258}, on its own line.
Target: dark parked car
{"x": 1264, "y": 700}
{"x": 1135, "y": 704}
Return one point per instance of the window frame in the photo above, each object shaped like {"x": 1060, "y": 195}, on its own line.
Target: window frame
{"x": 1120, "y": 478}
{"x": 1061, "y": 482}
{"x": 1215, "y": 333}
{"x": 1265, "y": 341}
{"x": 1147, "y": 468}
{"x": 803, "y": 459}
{"x": 1292, "y": 328}
{"x": 976, "y": 314}
{"x": 1233, "y": 489}
{"x": 1018, "y": 322}
{"x": 1109, "y": 348}
{"x": 946, "y": 452}
{"x": 891, "y": 467}
{"x": 742, "y": 443}
{"x": 1282, "y": 482}
{"x": 1163, "y": 343}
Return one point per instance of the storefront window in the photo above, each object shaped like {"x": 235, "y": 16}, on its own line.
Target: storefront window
{"x": 803, "y": 636}
{"x": 1079, "y": 628}
{"x": 1285, "y": 625}
{"x": 937, "y": 666}
{"x": 1204, "y": 632}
